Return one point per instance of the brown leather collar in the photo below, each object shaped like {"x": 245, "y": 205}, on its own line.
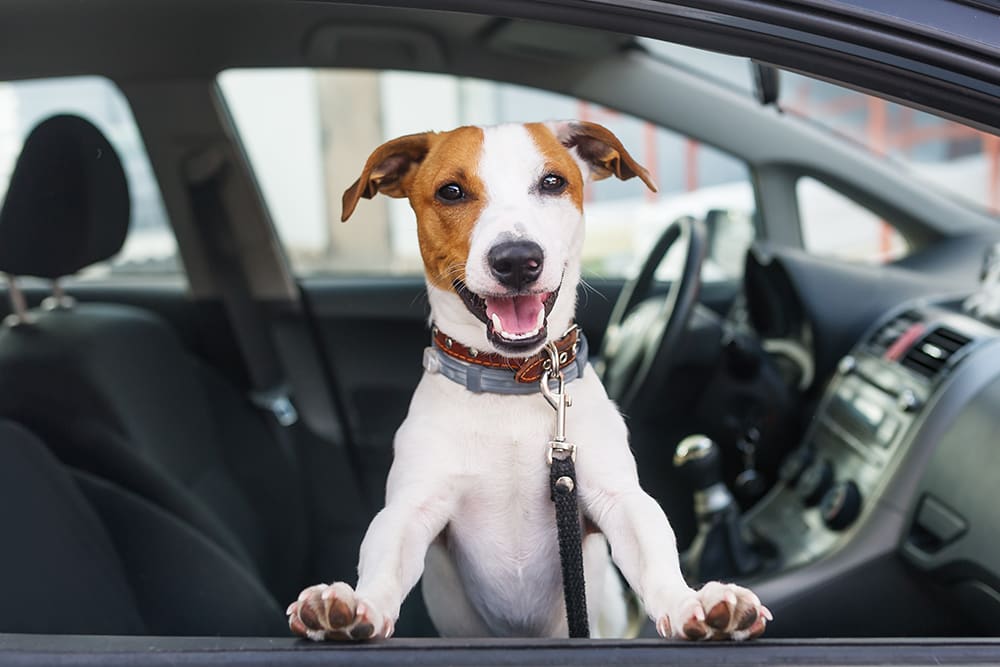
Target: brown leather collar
{"x": 526, "y": 369}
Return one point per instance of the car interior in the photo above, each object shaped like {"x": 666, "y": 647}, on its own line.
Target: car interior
{"x": 183, "y": 450}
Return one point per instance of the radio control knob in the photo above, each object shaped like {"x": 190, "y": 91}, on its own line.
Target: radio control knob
{"x": 908, "y": 401}
{"x": 815, "y": 481}
{"x": 841, "y": 505}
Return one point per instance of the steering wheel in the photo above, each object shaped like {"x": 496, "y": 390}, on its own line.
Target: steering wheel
{"x": 639, "y": 343}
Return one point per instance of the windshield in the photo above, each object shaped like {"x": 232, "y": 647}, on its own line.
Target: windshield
{"x": 957, "y": 159}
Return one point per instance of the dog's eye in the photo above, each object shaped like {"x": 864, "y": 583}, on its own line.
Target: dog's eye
{"x": 551, "y": 183}
{"x": 450, "y": 192}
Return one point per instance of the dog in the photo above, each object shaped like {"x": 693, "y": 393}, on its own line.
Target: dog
{"x": 500, "y": 226}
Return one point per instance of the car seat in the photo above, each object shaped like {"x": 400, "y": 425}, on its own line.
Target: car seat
{"x": 175, "y": 461}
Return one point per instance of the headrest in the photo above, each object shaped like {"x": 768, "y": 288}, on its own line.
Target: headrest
{"x": 67, "y": 205}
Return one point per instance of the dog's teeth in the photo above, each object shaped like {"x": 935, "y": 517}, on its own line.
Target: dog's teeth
{"x": 498, "y": 328}
{"x": 520, "y": 336}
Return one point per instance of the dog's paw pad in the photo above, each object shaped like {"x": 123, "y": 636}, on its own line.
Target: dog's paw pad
{"x": 746, "y": 617}
{"x": 334, "y": 612}
{"x": 695, "y": 629}
{"x": 340, "y": 605}
{"x": 687, "y": 622}
{"x": 719, "y": 612}
{"x": 719, "y": 617}
{"x": 362, "y": 631}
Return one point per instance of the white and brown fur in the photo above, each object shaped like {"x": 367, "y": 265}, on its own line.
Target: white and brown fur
{"x": 467, "y": 499}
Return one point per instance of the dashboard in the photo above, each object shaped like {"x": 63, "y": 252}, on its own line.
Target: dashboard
{"x": 892, "y": 487}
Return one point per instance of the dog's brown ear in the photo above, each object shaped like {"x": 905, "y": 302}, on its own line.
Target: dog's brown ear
{"x": 386, "y": 170}
{"x": 600, "y": 150}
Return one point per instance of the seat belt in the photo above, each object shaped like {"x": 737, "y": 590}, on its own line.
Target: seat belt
{"x": 270, "y": 390}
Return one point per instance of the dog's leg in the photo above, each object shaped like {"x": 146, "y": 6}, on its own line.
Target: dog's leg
{"x": 392, "y": 559}
{"x": 644, "y": 547}
{"x": 421, "y": 496}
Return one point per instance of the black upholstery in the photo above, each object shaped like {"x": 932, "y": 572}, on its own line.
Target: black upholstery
{"x": 112, "y": 392}
{"x": 182, "y": 582}
{"x": 60, "y": 571}
{"x": 83, "y": 556}
{"x": 203, "y": 507}
{"x": 67, "y": 203}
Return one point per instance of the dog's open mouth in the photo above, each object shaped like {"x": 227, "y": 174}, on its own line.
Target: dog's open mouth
{"x": 514, "y": 323}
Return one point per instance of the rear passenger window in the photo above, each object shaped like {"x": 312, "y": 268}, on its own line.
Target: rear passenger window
{"x": 150, "y": 249}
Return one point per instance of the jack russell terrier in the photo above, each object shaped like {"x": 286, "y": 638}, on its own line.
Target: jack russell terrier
{"x": 500, "y": 225}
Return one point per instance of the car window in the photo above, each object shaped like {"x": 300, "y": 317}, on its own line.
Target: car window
{"x": 834, "y": 225}
{"x": 956, "y": 159}
{"x": 959, "y": 160}
{"x": 150, "y": 248}
{"x": 332, "y": 119}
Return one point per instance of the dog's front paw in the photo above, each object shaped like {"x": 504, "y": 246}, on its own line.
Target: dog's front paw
{"x": 717, "y": 611}
{"x": 335, "y": 611}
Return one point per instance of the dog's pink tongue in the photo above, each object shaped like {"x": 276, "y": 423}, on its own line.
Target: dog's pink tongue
{"x": 518, "y": 314}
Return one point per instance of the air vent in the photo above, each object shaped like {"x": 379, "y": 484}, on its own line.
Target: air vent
{"x": 931, "y": 353}
{"x": 890, "y": 332}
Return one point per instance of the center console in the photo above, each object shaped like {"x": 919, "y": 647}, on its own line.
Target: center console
{"x": 860, "y": 431}
{"x": 895, "y": 463}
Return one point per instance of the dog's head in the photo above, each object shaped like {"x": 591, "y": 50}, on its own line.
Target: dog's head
{"x": 499, "y": 221}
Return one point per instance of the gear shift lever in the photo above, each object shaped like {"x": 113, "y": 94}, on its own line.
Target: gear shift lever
{"x": 698, "y": 457}
{"x": 719, "y": 550}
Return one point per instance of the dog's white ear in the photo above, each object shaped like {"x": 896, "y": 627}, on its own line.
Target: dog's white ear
{"x": 386, "y": 170}
{"x": 599, "y": 151}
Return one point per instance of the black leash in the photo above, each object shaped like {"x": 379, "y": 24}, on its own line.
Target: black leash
{"x": 562, "y": 476}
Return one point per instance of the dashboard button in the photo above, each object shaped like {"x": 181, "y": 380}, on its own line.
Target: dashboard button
{"x": 815, "y": 482}
{"x": 841, "y": 505}
{"x": 908, "y": 401}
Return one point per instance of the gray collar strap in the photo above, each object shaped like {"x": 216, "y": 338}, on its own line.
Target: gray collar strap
{"x": 482, "y": 379}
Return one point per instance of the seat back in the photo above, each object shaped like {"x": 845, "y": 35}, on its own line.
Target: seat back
{"x": 84, "y": 556}
{"x": 59, "y": 571}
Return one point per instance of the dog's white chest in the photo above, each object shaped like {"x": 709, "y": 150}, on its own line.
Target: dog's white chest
{"x": 502, "y": 537}
{"x": 504, "y": 545}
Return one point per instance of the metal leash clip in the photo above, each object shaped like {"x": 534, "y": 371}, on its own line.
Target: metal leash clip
{"x": 559, "y": 400}
{"x": 561, "y": 456}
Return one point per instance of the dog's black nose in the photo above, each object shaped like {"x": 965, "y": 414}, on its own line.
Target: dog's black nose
{"x": 516, "y": 264}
